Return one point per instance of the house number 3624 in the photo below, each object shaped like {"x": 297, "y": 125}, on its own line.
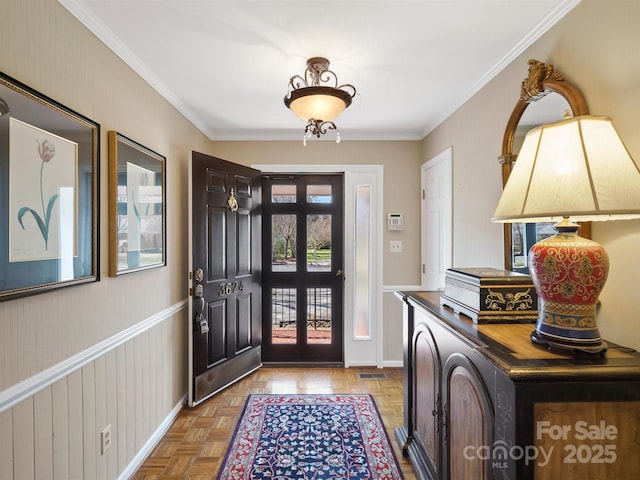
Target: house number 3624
{"x": 230, "y": 287}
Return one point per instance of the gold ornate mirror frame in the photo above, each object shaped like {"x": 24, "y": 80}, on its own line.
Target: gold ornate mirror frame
{"x": 541, "y": 80}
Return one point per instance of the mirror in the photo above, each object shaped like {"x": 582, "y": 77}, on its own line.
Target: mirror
{"x": 544, "y": 98}
{"x": 549, "y": 109}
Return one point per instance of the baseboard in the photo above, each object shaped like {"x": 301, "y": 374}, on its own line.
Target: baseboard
{"x": 152, "y": 442}
{"x": 303, "y": 364}
{"x": 393, "y": 364}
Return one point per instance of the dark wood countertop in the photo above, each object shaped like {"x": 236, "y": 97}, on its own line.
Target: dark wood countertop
{"x": 509, "y": 347}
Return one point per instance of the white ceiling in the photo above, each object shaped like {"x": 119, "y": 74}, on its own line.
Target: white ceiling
{"x": 226, "y": 64}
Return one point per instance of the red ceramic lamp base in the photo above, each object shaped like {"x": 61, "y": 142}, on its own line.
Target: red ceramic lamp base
{"x": 568, "y": 272}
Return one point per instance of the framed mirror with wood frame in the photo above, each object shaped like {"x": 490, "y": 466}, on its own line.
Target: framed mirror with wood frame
{"x": 544, "y": 97}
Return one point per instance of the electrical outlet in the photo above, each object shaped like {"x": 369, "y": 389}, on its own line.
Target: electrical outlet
{"x": 105, "y": 437}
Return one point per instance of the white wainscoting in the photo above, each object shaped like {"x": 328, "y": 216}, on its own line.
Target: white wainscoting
{"x": 392, "y": 313}
{"x": 134, "y": 382}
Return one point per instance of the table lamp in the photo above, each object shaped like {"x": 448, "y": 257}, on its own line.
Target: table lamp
{"x": 574, "y": 170}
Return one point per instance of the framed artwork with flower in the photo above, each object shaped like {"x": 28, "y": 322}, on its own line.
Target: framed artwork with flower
{"x": 43, "y": 191}
{"x": 49, "y": 193}
{"x": 136, "y": 206}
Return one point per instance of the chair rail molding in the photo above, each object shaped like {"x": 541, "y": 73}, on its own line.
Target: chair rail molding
{"x": 32, "y": 385}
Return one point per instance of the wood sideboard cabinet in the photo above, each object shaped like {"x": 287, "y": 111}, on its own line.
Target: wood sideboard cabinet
{"x": 483, "y": 402}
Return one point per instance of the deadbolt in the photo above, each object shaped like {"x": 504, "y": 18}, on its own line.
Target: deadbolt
{"x": 198, "y": 275}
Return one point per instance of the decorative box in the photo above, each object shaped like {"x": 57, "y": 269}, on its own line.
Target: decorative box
{"x": 489, "y": 295}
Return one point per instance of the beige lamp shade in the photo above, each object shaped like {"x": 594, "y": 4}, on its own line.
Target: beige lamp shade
{"x": 321, "y": 107}
{"x": 318, "y": 102}
{"x": 577, "y": 168}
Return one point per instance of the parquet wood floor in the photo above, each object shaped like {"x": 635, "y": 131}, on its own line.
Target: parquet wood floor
{"x": 195, "y": 445}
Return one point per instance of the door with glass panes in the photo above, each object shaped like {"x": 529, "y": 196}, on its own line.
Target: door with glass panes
{"x": 302, "y": 269}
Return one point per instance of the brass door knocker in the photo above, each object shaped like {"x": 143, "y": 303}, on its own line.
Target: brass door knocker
{"x": 232, "y": 203}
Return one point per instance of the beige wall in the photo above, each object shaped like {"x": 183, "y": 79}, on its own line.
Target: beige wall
{"x": 42, "y": 45}
{"x": 595, "y": 47}
{"x": 111, "y": 352}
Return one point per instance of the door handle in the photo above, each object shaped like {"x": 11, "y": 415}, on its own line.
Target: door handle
{"x": 339, "y": 273}
{"x": 200, "y": 303}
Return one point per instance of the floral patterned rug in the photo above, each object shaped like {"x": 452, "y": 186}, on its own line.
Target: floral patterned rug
{"x": 310, "y": 437}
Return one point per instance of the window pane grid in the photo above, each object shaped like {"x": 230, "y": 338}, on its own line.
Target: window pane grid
{"x": 283, "y": 241}
{"x": 319, "y": 194}
{"x": 283, "y": 194}
{"x": 318, "y": 315}
{"x": 318, "y": 243}
{"x": 283, "y": 315}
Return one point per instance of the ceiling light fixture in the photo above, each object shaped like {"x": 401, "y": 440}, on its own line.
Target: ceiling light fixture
{"x": 317, "y": 98}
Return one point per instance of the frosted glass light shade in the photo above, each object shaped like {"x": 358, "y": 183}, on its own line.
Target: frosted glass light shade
{"x": 577, "y": 168}
{"x": 319, "y": 103}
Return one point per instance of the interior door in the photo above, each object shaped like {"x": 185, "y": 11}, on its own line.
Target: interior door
{"x": 225, "y": 274}
{"x": 436, "y": 214}
{"x": 303, "y": 281}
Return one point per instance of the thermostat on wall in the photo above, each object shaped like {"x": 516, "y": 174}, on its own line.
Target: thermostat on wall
{"x": 395, "y": 221}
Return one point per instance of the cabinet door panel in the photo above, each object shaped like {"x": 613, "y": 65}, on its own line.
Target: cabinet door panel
{"x": 469, "y": 420}
{"x": 427, "y": 396}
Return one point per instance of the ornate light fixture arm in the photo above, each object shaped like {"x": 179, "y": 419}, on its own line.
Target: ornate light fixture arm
{"x": 318, "y": 127}
{"x": 350, "y": 89}
{"x": 296, "y": 82}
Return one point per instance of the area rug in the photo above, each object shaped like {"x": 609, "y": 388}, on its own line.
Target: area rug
{"x": 310, "y": 437}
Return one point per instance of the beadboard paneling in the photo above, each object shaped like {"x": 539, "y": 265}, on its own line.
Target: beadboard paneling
{"x": 74, "y": 381}
{"x": 60, "y": 409}
{"x": 6, "y": 444}
{"x": 56, "y": 433}
{"x": 43, "y": 433}
{"x": 23, "y": 440}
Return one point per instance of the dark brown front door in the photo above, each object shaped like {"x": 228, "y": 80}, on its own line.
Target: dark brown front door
{"x": 302, "y": 269}
{"x": 225, "y": 274}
